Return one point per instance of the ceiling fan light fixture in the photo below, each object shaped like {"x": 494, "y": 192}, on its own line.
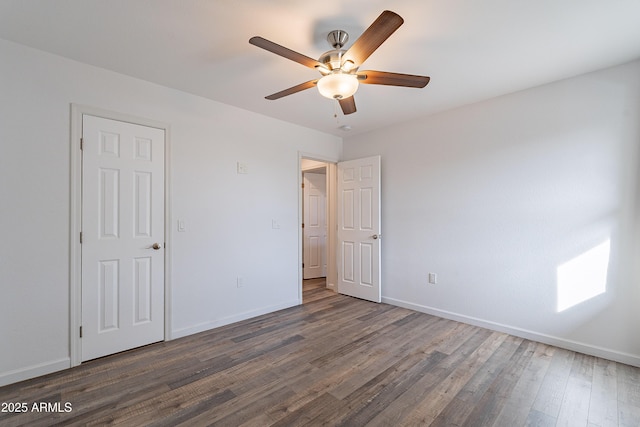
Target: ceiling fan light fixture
{"x": 338, "y": 85}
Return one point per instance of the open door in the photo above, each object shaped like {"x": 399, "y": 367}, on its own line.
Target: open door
{"x": 359, "y": 228}
{"x": 314, "y": 231}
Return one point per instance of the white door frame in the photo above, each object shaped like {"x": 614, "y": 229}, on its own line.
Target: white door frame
{"x": 332, "y": 268}
{"x": 75, "y": 223}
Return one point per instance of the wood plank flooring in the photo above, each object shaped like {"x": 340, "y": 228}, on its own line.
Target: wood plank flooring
{"x": 336, "y": 361}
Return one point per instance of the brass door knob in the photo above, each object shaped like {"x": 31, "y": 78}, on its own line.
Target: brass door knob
{"x": 156, "y": 246}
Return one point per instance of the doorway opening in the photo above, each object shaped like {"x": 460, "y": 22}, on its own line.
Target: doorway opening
{"x": 318, "y": 265}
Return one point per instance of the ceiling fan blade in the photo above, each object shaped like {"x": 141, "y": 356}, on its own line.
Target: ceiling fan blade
{"x": 392, "y": 79}
{"x": 348, "y": 105}
{"x": 292, "y": 90}
{"x": 284, "y": 52}
{"x": 385, "y": 25}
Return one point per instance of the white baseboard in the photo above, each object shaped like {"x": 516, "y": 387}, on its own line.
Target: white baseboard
{"x": 591, "y": 350}
{"x": 33, "y": 371}
{"x": 205, "y": 326}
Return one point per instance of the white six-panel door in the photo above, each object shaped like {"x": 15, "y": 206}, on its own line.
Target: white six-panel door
{"x": 315, "y": 225}
{"x": 122, "y": 236}
{"x": 359, "y": 228}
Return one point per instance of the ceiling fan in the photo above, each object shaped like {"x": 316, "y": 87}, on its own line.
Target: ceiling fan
{"x": 339, "y": 68}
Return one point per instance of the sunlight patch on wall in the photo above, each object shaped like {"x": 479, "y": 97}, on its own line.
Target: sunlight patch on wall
{"x": 584, "y": 277}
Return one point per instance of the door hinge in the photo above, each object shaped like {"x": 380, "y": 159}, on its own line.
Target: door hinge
{"x": 81, "y": 237}
{"x": 303, "y": 185}
{"x": 303, "y": 225}
{"x": 80, "y": 331}
{"x": 81, "y": 143}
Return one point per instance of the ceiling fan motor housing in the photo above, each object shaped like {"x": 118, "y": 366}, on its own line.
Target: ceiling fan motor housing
{"x": 333, "y": 59}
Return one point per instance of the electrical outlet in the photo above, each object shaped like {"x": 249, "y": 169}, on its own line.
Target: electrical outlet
{"x": 433, "y": 278}
{"x": 240, "y": 282}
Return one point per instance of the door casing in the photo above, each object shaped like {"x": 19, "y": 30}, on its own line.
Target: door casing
{"x": 75, "y": 223}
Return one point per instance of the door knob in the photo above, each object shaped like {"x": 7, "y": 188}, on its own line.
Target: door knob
{"x": 156, "y": 246}
{"x": 376, "y": 236}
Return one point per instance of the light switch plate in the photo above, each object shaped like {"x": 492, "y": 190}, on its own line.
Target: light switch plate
{"x": 433, "y": 278}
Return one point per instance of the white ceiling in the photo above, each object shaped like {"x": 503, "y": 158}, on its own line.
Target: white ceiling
{"x": 471, "y": 49}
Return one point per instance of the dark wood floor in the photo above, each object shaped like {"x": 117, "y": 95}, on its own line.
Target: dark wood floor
{"x": 338, "y": 361}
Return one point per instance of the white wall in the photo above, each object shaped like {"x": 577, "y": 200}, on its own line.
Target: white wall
{"x": 226, "y": 235}
{"x": 494, "y": 197}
